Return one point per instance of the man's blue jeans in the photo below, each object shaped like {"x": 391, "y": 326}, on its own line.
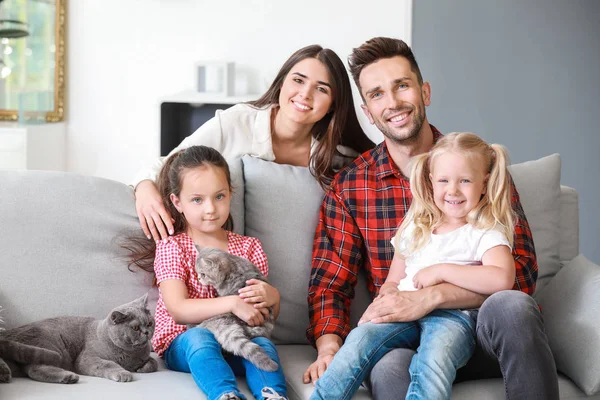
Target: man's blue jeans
{"x": 447, "y": 341}
{"x": 197, "y": 351}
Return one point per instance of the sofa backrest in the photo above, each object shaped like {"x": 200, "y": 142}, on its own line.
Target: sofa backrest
{"x": 60, "y": 253}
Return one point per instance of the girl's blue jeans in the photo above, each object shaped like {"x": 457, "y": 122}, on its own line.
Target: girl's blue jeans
{"x": 445, "y": 340}
{"x": 197, "y": 351}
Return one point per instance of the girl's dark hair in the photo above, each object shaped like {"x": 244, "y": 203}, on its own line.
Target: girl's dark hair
{"x": 170, "y": 181}
{"x": 339, "y": 126}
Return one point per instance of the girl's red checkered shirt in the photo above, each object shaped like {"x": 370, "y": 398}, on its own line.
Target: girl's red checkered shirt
{"x": 175, "y": 259}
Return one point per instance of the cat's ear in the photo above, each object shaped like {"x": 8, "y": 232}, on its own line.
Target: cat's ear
{"x": 118, "y": 317}
{"x": 224, "y": 269}
{"x": 143, "y": 300}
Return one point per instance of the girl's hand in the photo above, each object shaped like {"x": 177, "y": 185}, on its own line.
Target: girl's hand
{"x": 429, "y": 276}
{"x": 247, "y": 313}
{"x": 155, "y": 219}
{"x": 259, "y": 293}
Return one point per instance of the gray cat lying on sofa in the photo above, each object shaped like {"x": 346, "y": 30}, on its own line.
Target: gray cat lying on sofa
{"x": 60, "y": 257}
{"x": 110, "y": 348}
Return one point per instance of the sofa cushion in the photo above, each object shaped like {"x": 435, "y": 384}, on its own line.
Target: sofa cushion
{"x": 282, "y": 209}
{"x": 62, "y": 234}
{"x": 538, "y": 184}
{"x": 162, "y": 384}
{"x": 571, "y": 307}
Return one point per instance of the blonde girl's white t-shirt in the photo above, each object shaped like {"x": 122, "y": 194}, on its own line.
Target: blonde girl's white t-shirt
{"x": 239, "y": 130}
{"x": 464, "y": 246}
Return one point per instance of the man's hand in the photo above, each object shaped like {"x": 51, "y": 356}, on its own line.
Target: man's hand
{"x": 429, "y": 276}
{"x": 317, "y": 369}
{"x": 327, "y": 346}
{"x": 388, "y": 288}
{"x": 402, "y": 306}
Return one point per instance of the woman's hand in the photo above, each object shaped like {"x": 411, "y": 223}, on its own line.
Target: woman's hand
{"x": 155, "y": 219}
{"x": 260, "y": 294}
{"x": 247, "y": 312}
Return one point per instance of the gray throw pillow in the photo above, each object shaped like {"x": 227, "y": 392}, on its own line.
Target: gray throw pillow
{"x": 571, "y": 307}
{"x": 282, "y": 210}
{"x": 538, "y": 184}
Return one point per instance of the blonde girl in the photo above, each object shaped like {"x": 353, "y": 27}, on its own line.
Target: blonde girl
{"x": 459, "y": 229}
{"x": 195, "y": 185}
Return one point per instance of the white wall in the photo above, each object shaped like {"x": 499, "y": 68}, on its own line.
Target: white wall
{"x": 124, "y": 55}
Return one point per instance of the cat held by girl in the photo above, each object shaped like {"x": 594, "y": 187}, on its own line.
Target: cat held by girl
{"x": 228, "y": 274}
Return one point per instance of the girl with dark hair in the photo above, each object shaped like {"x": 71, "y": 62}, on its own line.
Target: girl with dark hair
{"x": 195, "y": 185}
{"x": 306, "y": 118}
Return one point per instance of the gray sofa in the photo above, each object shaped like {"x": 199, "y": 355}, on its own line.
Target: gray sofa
{"x": 60, "y": 255}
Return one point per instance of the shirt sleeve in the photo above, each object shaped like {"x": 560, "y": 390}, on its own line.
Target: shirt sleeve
{"x": 523, "y": 248}
{"x": 489, "y": 239}
{"x": 257, "y": 256}
{"x": 209, "y": 134}
{"x": 169, "y": 261}
{"x": 337, "y": 258}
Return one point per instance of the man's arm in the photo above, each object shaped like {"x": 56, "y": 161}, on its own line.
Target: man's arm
{"x": 337, "y": 254}
{"x": 405, "y": 306}
{"x": 336, "y": 258}
{"x": 526, "y": 266}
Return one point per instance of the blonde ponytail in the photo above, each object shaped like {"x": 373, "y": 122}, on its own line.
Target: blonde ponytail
{"x": 498, "y": 192}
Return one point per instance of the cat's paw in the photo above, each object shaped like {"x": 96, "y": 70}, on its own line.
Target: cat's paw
{"x": 120, "y": 376}
{"x": 5, "y": 373}
{"x": 150, "y": 366}
{"x": 69, "y": 378}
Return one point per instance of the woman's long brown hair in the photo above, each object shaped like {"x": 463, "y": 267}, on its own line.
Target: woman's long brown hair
{"x": 339, "y": 126}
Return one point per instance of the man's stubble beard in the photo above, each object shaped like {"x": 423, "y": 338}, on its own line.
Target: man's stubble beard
{"x": 414, "y": 133}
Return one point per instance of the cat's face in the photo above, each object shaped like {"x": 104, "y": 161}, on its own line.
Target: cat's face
{"x": 212, "y": 267}
{"x": 131, "y": 325}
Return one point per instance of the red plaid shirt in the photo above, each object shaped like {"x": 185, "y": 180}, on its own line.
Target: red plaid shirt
{"x": 175, "y": 259}
{"x": 359, "y": 215}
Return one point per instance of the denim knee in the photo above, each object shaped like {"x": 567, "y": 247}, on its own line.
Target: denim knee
{"x": 199, "y": 338}
{"x": 509, "y": 309}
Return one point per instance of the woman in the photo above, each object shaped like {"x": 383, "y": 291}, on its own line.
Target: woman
{"x": 306, "y": 118}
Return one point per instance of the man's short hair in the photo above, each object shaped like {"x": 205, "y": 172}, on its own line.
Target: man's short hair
{"x": 377, "y": 48}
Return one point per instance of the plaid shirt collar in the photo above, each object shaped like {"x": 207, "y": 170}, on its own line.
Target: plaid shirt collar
{"x": 385, "y": 166}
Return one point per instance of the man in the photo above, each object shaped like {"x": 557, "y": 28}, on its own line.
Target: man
{"x": 361, "y": 212}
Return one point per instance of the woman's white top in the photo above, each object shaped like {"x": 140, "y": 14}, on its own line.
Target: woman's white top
{"x": 238, "y": 130}
{"x": 464, "y": 246}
